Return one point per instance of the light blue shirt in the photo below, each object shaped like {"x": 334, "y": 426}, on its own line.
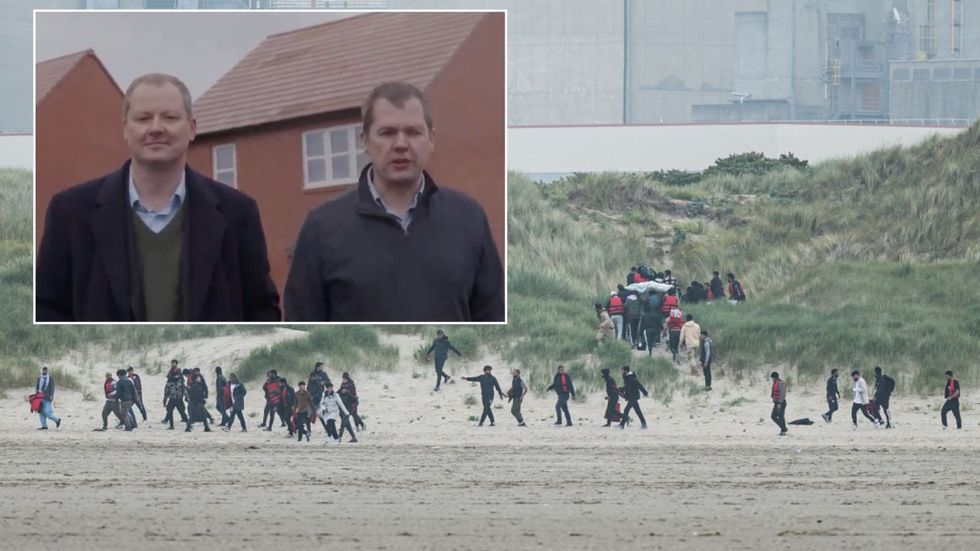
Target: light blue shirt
{"x": 156, "y": 220}
{"x": 404, "y": 218}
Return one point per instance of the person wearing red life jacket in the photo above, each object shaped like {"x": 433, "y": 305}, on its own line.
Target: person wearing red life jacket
{"x": 616, "y": 310}
{"x": 272, "y": 396}
{"x": 778, "y": 394}
{"x": 670, "y": 301}
{"x": 562, "y": 385}
{"x": 111, "y": 404}
{"x": 675, "y": 323}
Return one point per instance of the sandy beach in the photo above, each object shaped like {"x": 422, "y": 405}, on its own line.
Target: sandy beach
{"x": 710, "y": 473}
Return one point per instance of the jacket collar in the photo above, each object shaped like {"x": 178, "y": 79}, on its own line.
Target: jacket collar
{"x": 205, "y": 225}
{"x": 366, "y": 204}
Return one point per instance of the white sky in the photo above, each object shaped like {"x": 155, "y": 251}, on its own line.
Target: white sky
{"x": 196, "y": 47}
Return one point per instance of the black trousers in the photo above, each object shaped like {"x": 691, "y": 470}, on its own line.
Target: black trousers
{"x": 633, "y": 325}
{"x": 302, "y": 424}
{"x": 269, "y": 413}
{"x": 487, "y": 412}
{"x": 197, "y": 411}
{"x": 831, "y": 407}
{"x": 651, "y": 337}
{"x": 882, "y": 404}
{"x": 674, "y": 343}
{"x": 779, "y": 415}
{"x": 223, "y": 410}
{"x": 635, "y": 406}
{"x": 707, "y": 375}
{"x": 440, "y": 374}
{"x": 285, "y": 417}
{"x": 236, "y": 413}
{"x": 139, "y": 406}
{"x": 172, "y": 404}
{"x": 954, "y": 406}
{"x": 345, "y": 425}
{"x": 561, "y": 406}
{"x": 332, "y": 429}
{"x": 863, "y": 409}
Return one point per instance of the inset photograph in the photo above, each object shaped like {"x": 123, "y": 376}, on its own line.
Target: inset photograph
{"x": 266, "y": 167}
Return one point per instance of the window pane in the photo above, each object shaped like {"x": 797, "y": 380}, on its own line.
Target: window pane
{"x": 316, "y": 170}
{"x": 338, "y": 141}
{"x": 226, "y": 177}
{"x": 341, "y": 167}
{"x": 224, "y": 158}
{"x": 314, "y": 144}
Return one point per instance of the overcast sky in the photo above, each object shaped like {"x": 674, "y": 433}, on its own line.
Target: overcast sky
{"x": 196, "y": 47}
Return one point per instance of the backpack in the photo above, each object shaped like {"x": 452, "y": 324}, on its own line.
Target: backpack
{"x": 646, "y": 272}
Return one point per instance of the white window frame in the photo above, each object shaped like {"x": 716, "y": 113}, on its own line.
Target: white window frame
{"x": 234, "y": 164}
{"x": 354, "y": 148}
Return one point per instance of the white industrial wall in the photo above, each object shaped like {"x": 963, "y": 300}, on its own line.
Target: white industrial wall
{"x": 562, "y": 149}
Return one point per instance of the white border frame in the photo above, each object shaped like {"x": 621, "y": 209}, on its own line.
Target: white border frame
{"x": 504, "y": 178}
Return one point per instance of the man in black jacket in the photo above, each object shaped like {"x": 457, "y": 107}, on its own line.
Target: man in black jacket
{"x": 237, "y": 402}
{"x": 138, "y": 385}
{"x": 884, "y": 386}
{"x": 399, "y": 247}
{"x": 562, "y": 385}
{"x": 174, "y": 393}
{"x": 441, "y": 346}
{"x": 612, "y": 398}
{"x": 126, "y": 394}
{"x": 219, "y": 395}
{"x": 833, "y": 394}
{"x": 487, "y": 385}
{"x": 717, "y": 287}
{"x": 197, "y": 396}
{"x": 951, "y": 393}
{"x": 154, "y": 241}
{"x": 631, "y": 391}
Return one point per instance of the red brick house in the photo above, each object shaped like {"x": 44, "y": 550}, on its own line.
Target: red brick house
{"x": 282, "y": 124}
{"x": 78, "y": 125}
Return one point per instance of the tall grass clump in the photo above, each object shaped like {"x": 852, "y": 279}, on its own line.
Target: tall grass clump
{"x": 345, "y": 348}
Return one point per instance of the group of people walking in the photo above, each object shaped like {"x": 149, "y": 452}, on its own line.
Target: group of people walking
{"x": 876, "y": 409}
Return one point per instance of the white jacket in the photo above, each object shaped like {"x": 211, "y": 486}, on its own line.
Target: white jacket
{"x": 330, "y": 407}
{"x": 860, "y": 391}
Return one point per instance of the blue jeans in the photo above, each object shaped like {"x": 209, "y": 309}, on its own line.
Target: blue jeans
{"x": 46, "y": 414}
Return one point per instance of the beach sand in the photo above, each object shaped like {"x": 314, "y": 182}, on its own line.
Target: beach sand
{"x": 710, "y": 473}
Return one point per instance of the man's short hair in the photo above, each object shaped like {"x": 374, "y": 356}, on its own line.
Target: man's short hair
{"x": 121, "y": 372}
{"x": 950, "y": 373}
{"x": 397, "y": 93}
{"x": 690, "y": 317}
{"x": 774, "y": 375}
{"x": 159, "y": 79}
{"x": 855, "y": 372}
{"x": 833, "y": 371}
{"x": 877, "y": 369}
{"x": 130, "y": 368}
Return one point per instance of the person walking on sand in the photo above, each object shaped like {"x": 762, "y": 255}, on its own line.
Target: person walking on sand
{"x": 348, "y": 393}
{"x": 705, "y": 356}
{"x": 304, "y": 403}
{"x": 197, "y": 375}
{"x": 833, "y": 394}
{"x": 562, "y": 385}
{"x": 287, "y": 397}
{"x": 221, "y": 402}
{"x": 612, "y": 399}
{"x": 441, "y": 346}
{"x": 197, "y": 396}
{"x": 631, "y": 391}
{"x": 138, "y": 384}
{"x": 350, "y": 402}
{"x": 606, "y": 326}
{"x": 778, "y": 403}
{"x": 173, "y": 396}
{"x": 675, "y": 323}
{"x": 691, "y": 341}
{"x": 884, "y": 386}
{"x": 488, "y": 383}
{"x": 111, "y": 404}
{"x": 273, "y": 395}
{"x": 45, "y": 387}
{"x": 861, "y": 401}
{"x": 952, "y": 404}
{"x": 331, "y": 407}
{"x": 126, "y": 394}
{"x": 237, "y": 392}
{"x": 516, "y": 394}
